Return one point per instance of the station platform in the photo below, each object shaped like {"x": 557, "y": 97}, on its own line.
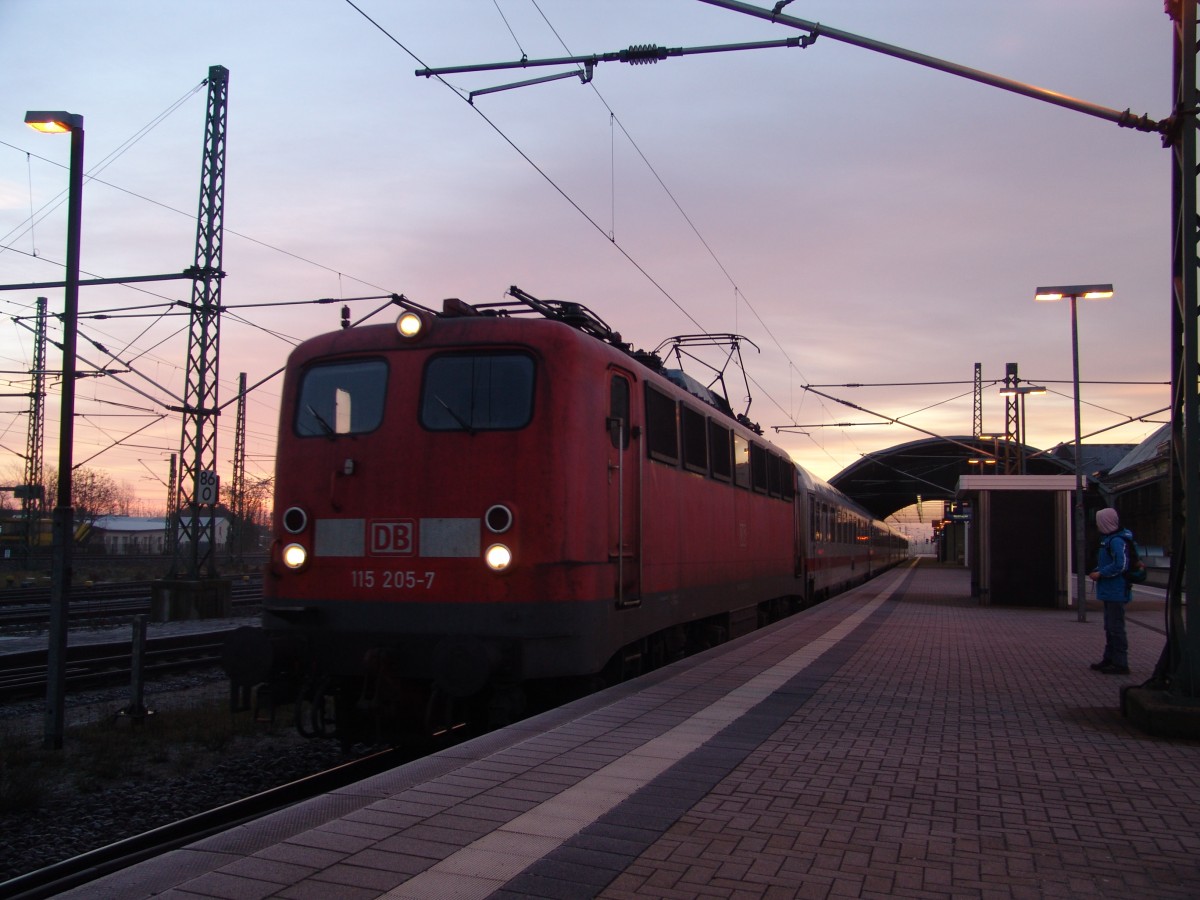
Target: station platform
{"x": 899, "y": 740}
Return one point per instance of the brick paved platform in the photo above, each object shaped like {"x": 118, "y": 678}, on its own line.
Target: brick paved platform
{"x": 897, "y": 741}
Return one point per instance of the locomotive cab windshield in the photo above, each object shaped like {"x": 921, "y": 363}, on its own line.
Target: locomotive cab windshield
{"x": 478, "y": 392}
{"x": 342, "y": 398}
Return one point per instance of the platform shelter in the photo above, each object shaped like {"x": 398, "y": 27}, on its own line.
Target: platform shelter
{"x": 1019, "y": 538}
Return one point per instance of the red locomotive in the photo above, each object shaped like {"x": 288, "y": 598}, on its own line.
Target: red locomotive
{"x": 475, "y": 501}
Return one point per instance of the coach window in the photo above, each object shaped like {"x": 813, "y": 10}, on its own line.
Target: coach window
{"x": 477, "y": 392}
{"x": 719, "y": 448}
{"x": 695, "y": 439}
{"x": 662, "y": 427}
{"x": 341, "y": 398}
{"x": 618, "y": 416}
{"x": 741, "y": 461}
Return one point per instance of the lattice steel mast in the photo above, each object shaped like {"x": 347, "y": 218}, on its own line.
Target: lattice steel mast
{"x": 977, "y": 407}
{"x": 197, "y": 493}
{"x": 34, "y": 435}
{"x": 172, "y": 535}
{"x": 237, "y": 489}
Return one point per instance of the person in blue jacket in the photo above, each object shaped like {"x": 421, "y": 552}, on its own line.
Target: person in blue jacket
{"x": 1111, "y": 587}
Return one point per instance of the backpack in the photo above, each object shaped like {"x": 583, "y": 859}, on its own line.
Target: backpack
{"x": 1135, "y": 572}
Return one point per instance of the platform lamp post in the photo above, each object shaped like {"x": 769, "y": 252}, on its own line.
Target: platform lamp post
{"x": 58, "y": 122}
{"x": 1075, "y": 293}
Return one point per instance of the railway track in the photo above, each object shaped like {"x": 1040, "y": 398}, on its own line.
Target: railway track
{"x": 61, "y": 876}
{"x": 30, "y": 607}
{"x": 103, "y": 665}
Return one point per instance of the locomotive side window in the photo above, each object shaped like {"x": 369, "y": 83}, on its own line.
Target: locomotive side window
{"x": 758, "y": 467}
{"x": 773, "y": 474}
{"x": 662, "y": 427}
{"x": 695, "y": 439}
{"x": 341, "y": 398}
{"x": 719, "y": 449}
{"x": 741, "y": 462}
{"x": 477, "y": 392}
{"x": 618, "y": 405}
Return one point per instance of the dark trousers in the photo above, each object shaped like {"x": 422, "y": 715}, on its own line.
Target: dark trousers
{"x": 1116, "y": 644}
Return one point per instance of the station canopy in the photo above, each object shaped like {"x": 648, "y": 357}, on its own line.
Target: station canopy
{"x": 890, "y": 480}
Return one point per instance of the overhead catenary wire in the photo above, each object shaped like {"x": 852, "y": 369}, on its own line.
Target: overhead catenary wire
{"x": 545, "y": 175}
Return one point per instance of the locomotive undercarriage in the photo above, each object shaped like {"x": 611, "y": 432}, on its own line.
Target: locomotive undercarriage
{"x": 359, "y": 689}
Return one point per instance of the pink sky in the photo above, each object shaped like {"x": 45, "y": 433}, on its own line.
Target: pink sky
{"x": 859, "y": 218}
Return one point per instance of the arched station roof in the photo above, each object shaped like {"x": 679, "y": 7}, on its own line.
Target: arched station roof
{"x": 889, "y": 480}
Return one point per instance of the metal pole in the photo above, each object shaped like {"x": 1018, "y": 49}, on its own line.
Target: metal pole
{"x": 1080, "y": 549}
{"x": 137, "y": 666}
{"x": 64, "y": 513}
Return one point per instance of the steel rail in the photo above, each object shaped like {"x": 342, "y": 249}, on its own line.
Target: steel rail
{"x": 58, "y": 877}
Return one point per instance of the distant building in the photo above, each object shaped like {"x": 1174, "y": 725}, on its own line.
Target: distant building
{"x": 145, "y": 535}
{"x": 1139, "y": 486}
{"x": 220, "y": 529}
{"x": 131, "y": 535}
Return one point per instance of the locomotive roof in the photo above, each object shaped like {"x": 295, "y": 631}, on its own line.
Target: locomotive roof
{"x": 575, "y": 315}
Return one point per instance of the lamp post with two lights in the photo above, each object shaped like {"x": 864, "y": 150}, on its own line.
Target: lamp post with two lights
{"x": 1074, "y": 293}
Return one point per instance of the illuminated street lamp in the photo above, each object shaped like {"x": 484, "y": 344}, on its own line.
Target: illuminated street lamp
{"x": 57, "y": 122}
{"x": 1075, "y": 293}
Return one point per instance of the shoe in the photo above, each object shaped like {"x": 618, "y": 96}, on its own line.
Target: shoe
{"x": 1111, "y": 669}
{"x": 1099, "y": 667}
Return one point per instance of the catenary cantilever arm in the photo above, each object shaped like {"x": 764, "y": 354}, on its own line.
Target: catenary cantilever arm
{"x": 1125, "y": 119}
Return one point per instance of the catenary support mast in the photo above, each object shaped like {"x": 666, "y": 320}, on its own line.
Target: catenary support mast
{"x": 34, "y": 436}
{"x": 197, "y": 492}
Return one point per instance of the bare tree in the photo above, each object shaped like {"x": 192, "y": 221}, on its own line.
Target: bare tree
{"x": 94, "y": 493}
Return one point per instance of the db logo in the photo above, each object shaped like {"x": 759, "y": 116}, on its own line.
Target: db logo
{"x": 391, "y": 537}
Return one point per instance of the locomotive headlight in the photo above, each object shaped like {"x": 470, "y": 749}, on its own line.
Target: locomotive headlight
{"x": 410, "y": 324}
{"x": 294, "y": 556}
{"x": 498, "y": 557}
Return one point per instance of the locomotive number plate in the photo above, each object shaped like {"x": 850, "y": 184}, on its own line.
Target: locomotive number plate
{"x": 391, "y": 579}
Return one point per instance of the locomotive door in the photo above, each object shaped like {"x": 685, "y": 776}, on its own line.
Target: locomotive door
{"x": 624, "y": 494}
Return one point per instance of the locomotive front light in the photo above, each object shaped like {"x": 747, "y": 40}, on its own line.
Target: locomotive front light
{"x": 294, "y": 556}
{"x": 410, "y": 324}
{"x": 498, "y": 557}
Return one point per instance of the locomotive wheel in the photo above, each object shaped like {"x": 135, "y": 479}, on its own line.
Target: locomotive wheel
{"x": 312, "y": 720}
{"x": 507, "y": 704}
{"x": 441, "y": 713}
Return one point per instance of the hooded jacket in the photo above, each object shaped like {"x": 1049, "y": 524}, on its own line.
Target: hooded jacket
{"x": 1111, "y": 565}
